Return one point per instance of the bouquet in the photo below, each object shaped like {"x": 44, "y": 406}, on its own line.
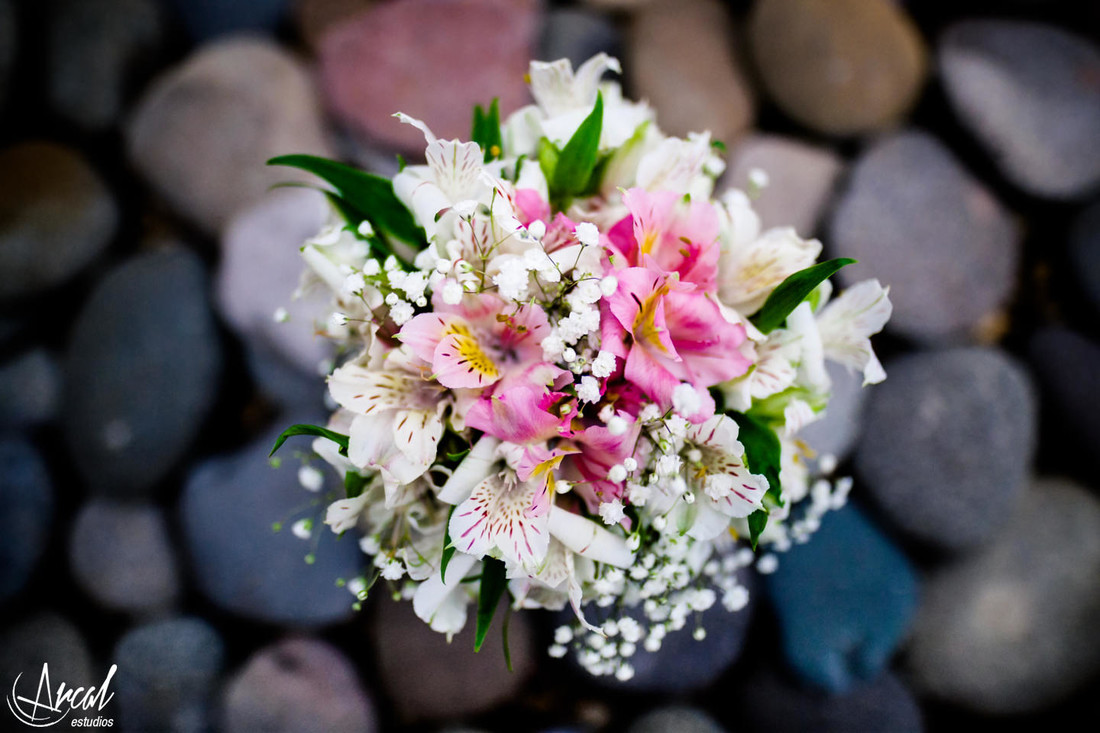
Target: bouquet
{"x": 570, "y": 375}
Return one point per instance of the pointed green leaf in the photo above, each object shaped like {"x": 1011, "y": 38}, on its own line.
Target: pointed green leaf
{"x": 578, "y": 157}
{"x": 315, "y": 430}
{"x": 548, "y": 155}
{"x": 365, "y": 192}
{"x": 793, "y": 291}
{"x": 762, "y": 456}
{"x": 448, "y": 546}
{"x": 504, "y": 637}
{"x": 493, "y": 583}
{"x": 354, "y": 218}
{"x": 354, "y": 483}
{"x": 758, "y": 521}
{"x": 486, "y": 130}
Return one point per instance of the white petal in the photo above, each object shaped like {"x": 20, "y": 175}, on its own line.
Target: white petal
{"x": 457, "y": 168}
{"x": 368, "y": 391}
{"x": 557, "y": 90}
{"x": 428, "y": 136}
{"x": 496, "y": 516}
{"x": 749, "y": 274}
{"x": 474, "y": 468}
{"x": 849, "y": 321}
{"x": 344, "y": 514}
{"x": 588, "y": 539}
{"x": 674, "y": 164}
{"x": 417, "y": 434}
{"x": 438, "y": 603}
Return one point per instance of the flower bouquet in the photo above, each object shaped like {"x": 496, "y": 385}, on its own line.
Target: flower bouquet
{"x": 570, "y": 375}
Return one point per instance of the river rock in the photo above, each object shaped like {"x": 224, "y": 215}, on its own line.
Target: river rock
{"x": 315, "y": 17}
{"x": 800, "y": 179}
{"x": 30, "y": 389}
{"x": 679, "y": 719}
{"x": 1068, "y": 367}
{"x": 167, "y": 673}
{"x": 845, "y": 601}
{"x": 56, "y": 217}
{"x": 97, "y": 51}
{"x": 1084, "y": 253}
{"x": 841, "y": 67}
{"x": 578, "y": 35}
{"x": 298, "y": 685}
{"x": 680, "y": 57}
{"x": 1029, "y": 94}
{"x": 426, "y": 677}
{"x": 917, "y": 221}
{"x": 1012, "y": 628}
{"x": 948, "y": 443}
{"x": 837, "y": 432}
{"x": 46, "y": 638}
{"x": 260, "y": 269}
{"x": 228, "y": 509}
{"x": 768, "y": 702}
{"x": 431, "y": 59}
{"x": 203, "y": 131}
{"x": 206, "y": 19}
{"x": 122, "y": 556}
{"x": 142, "y": 372}
{"x": 26, "y": 513}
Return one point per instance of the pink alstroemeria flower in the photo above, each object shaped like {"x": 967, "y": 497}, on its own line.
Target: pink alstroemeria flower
{"x": 600, "y": 449}
{"x": 665, "y": 233}
{"x": 524, "y": 413}
{"x": 677, "y": 334}
{"x": 477, "y": 342}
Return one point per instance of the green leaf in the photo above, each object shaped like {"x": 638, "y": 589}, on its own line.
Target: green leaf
{"x": 493, "y": 583}
{"x": 548, "y": 155}
{"x": 486, "y": 130}
{"x": 578, "y": 157}
{"x": 762, "y": 456}
{"x": 504, "y": 637}
{"x": 758, "y": 520}
{"x": 354, "y": 218}
{"x": 354, "y": 483}
{"x": 367, "y": 193}
{"x": 793, "y": 291}
{"x": 448, "y": 546}
{"x": 338, "y": 438}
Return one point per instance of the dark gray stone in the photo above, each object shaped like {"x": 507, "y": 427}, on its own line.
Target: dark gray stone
{"x": 578, "y": 35}
{"x": 948, "y": 443}
{"x": 30, "y": 389}
{"x": 917, "y": 221}
{"x": 97, "y": 50}
{"x": 425, "y": 676}
{"x": 122, "y": 557}
{"x": 298, "y": 686}
{"x": 845, "y": 601}
{"x": 228, "y": 507}
{"x": 1028, "y": 92}
{"x": 1068, "y": 367}
{"x": 1012, "y": 627}
{"x": 1084, "y": 253}
{"x": 46, "y": 639}
{"x": 26, "y": 513}
{"x": 206, "y": 19}
{"x": 167, "y": 676}
{"x": 141, "y": 372}
{"x": 679, "y": 719}
{"x": 56, "y": 216}
{"x": 768, "y": 702}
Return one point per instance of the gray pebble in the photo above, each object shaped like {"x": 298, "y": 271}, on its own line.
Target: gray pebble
{"x": 1084, "y": 253}
{"x": 1028, "y": 93}
{"x": 26, "y": 513}
{"x": 948, "y": 443}
{"x": 678, "y": 719}
{"x": 46, "y": 638}
{"x": 141, "y": 372}
{"x": 30, "y": 389}
{"x": 1012, "y": 628}
{"x": 917, "y": 221}
{"x": 578, "y": 35}
{"x": 167, "y": 672}
{"x": 122, "y": 557}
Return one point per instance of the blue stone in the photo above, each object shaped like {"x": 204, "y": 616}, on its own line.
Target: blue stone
{"x": 26, "y": 513}
{"x": 845, "y": 601}
{"x": 206, "y": 19}
{"x": 228, "y": 510}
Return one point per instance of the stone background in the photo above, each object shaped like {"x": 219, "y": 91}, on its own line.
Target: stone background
{"x": 954, "y": 148}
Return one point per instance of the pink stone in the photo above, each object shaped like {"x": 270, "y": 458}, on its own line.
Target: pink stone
{"x": 432, "y": 59}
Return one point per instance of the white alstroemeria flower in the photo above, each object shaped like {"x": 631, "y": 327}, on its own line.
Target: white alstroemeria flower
{"x": 452, "y": 176}
{"x": 442, "y": 604}
{"x": 397, "y": 424}
{"x": 724, "y": 486}
{"x": 344, "y": 514}
{"x": 678, "y": 165}
{"x": 749, "y": 271}
{"x": 558, "y": 90}
{"x": 498, "y": 515}
{"x": 588, "y": 539}
{"x": 847, "y": 323}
